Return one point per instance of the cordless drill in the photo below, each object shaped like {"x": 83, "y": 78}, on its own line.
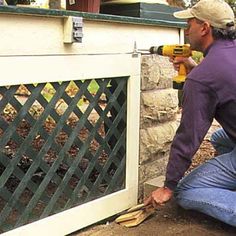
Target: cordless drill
{"x": 175, "y": 51}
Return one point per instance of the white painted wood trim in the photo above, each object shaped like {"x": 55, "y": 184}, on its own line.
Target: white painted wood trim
{"x": 76, "y": 67}
{"x": 44, "y": 36}
{"x": 39, "y": 69}
{"x": 133, "y": 111}
{"x": 78, "y": 217}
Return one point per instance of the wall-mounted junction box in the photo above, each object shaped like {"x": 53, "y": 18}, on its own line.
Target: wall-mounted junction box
{"x": 73, "y": 29}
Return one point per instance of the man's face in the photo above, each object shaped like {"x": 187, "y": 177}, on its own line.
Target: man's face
{"x": 194, "y": 34}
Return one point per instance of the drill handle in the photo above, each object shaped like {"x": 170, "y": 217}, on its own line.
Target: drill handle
{"x": 178, "y": 81}
{"x": 182, "y": 70}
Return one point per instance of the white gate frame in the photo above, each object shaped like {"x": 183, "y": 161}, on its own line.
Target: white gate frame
{"x": 36, "y": 69}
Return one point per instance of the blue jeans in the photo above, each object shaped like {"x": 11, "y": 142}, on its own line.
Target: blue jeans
{"x": 210, "y": 188}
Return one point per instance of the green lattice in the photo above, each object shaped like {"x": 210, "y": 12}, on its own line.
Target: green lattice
{"x": 60, "y": 146}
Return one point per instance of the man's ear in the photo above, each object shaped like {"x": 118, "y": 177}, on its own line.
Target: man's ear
{"x": 206, "y": 28}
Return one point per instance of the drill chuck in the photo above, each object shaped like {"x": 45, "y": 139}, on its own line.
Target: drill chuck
{"x": 156, "y": 50}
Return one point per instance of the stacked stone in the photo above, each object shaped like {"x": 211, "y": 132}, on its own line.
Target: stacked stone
{"x": 159, "y": 106}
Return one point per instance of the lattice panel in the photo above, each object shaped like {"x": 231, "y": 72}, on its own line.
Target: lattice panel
{"x": 62, "y": 144}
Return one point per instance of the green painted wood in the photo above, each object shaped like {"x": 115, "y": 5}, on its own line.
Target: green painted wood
{"x": 92, "y": 165}
{"x": 92, "y": 16}
{"x": 118, "y": 180}
{"x": 142, "y": 10}
{"x": 97, "y": 179}
{"x": 55, "y": 145}
{"x": 94, "y": 191}
{"x": 10, "y": 131}
{"x": 8, "y": 94}
{"x": 82, "y": 151}
{"x": 14, "y": 198}
{"x": 50, "y": 173}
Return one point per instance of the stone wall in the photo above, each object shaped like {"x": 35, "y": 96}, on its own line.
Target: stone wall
{"x": 159, "y": 106}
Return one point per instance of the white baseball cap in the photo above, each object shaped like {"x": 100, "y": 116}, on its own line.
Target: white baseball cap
{"x": 216, "y": 12}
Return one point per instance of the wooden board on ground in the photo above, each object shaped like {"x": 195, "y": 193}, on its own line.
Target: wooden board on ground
{"x": 135, "y": 215}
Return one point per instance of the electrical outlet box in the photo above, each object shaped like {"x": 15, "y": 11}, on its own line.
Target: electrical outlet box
{"x": 73, "y": 29}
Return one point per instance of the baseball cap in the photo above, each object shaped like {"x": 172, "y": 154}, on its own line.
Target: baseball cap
{"x": 216, "y": 12}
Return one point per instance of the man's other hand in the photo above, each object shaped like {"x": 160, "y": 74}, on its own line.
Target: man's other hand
{"x": 159, "y": 197}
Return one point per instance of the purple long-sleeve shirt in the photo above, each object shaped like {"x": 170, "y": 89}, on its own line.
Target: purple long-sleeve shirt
{"x": 209, "y": 92}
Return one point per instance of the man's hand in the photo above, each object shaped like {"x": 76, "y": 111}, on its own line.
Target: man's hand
{"x": 188, "y": 62}
{"x": 159, "y": 197}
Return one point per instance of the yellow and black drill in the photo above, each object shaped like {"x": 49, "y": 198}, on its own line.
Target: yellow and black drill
{"x": 175, "y": 50}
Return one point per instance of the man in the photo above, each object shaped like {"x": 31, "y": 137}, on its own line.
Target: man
{"x": 209, "y": 92}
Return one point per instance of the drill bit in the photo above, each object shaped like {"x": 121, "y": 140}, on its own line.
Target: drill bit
{"x": 143, "y": 51}
{"x": 136, "y": 51}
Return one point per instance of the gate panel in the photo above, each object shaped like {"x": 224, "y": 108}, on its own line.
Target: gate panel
{"x": 68, "y": 150}
{"x": 61, "y": 145}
